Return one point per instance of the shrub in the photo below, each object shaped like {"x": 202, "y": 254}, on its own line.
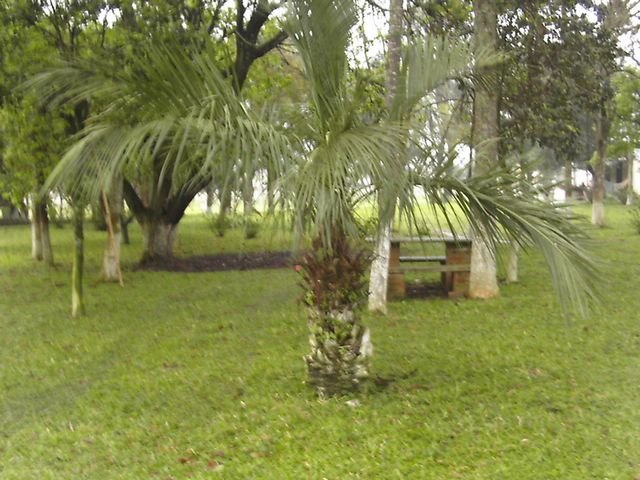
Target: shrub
{"x": 251, "y": 228}
{"x": 219, "y": 224}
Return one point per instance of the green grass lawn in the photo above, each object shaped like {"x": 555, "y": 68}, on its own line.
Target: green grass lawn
{"x": 201, "y": 376}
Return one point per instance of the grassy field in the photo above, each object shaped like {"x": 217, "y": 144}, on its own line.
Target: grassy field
{"x": 201, "y": 376}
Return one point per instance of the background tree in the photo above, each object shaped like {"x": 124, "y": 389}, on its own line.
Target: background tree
{"x": 483, "y": 282}
{"x": 625, "y": 130}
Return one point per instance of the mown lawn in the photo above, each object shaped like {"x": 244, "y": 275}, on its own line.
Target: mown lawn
{"x": 201, "y": 375}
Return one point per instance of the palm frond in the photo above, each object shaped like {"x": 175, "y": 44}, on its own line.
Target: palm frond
{"x": 503, "y": 206}
{"x": 320, "y": 30}
{"x": 173, "y": 106}
{"x": 429, "y": 63}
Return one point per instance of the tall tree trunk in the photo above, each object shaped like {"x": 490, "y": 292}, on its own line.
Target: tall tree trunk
{"x": 247, "y": 193}
{"x": 599, "y": 167}
{"x": 47, "y": 248}
{"x": 77, "y": 299}
{"x": 568, "y": 178}
{"x": 41, "y": 248}
{"x": 271, "y": 194}
{"x": 483, "y": 282}
{"x": 379, "y": 278}
{"x": 36, "y": 231}
{"x": 113, "y": 216}
{"x": 630, "y": 191}
{"x": 210, "y": 195}
{"x": 512, "y": 262}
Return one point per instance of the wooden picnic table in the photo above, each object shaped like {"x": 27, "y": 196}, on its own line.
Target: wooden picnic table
{"x": 454, "y": 266}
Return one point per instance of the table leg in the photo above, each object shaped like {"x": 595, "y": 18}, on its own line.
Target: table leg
{"x": 396, "y": 287}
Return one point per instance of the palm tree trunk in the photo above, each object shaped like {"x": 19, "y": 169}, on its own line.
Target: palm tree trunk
{"x": 77, "y": 300}
{"x": 113, "y": 216}
{"x": 340, "y": 343}
{"x": 379, "y": 278}
{"x": 483, "y": 282}
{"x": 340, "y": 348}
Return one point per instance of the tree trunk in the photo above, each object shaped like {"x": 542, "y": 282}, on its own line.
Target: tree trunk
{"x": 210, "y": 195}
{"x": 113, "y": 216}
{"x": 36, "y": 231}
{"x": 77, "y": 299}
{"x": 41, "y": 248}
{"x": 340, "y": 349}
{"x": 512, "y": 263}
{"x": 333, "y": 276}
{"x": 47, "y": 248}
{"x": 124, "y": 228}
{"x": 630, "y": 191}
{"x": 158, "y": 239}
{"x": 271, "y": 194}
{"x": 247, "y": 194}
{"x": 568, "y": 178}
{"x": 380, "y": 267}
{"x": 483, "y": 282}
{"x": 379, "y": 279}
{"x": 599, "y": 168}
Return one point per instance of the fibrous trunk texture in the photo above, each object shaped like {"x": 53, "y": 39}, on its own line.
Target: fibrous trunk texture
{"x": 340, "y": 349}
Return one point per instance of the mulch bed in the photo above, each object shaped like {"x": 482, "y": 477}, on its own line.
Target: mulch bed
{"x": 263, "y": 260}
{"x": 223, "y": 262}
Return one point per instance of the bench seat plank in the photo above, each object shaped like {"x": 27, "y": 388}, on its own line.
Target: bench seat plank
{"x": 424, "y": 258}
{"x": 433, "y": 268}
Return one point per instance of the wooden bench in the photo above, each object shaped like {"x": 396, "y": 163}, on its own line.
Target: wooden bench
{"x": 454, "y": 265}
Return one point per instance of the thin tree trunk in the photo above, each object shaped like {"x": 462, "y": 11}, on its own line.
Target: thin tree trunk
{"x": 45, "y": 234}
{"x": 512, "y": 263}
{"x": 36, "y": 230}
{"x": 247, "y": 194}
{"x": 113, "y": 216}
{"x": 271, "y": 194}
{"x": 568, "y": 178}
{"x": 210, "y": 195}
{"x": 483, "y": 281}
{"x": 380, "y": 267}
{"x": 599, "y": 168}
{"x": 630, "y": 192}
{"x": 77, "y": 299}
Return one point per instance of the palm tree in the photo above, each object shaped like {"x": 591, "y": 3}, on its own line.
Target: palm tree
{"x": 191, "y": 124}
{"x": 346, "y": 160}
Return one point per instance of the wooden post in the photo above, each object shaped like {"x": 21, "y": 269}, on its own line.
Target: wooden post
{"x": 458, "y": 253}
{"x": 396, "y": 287}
